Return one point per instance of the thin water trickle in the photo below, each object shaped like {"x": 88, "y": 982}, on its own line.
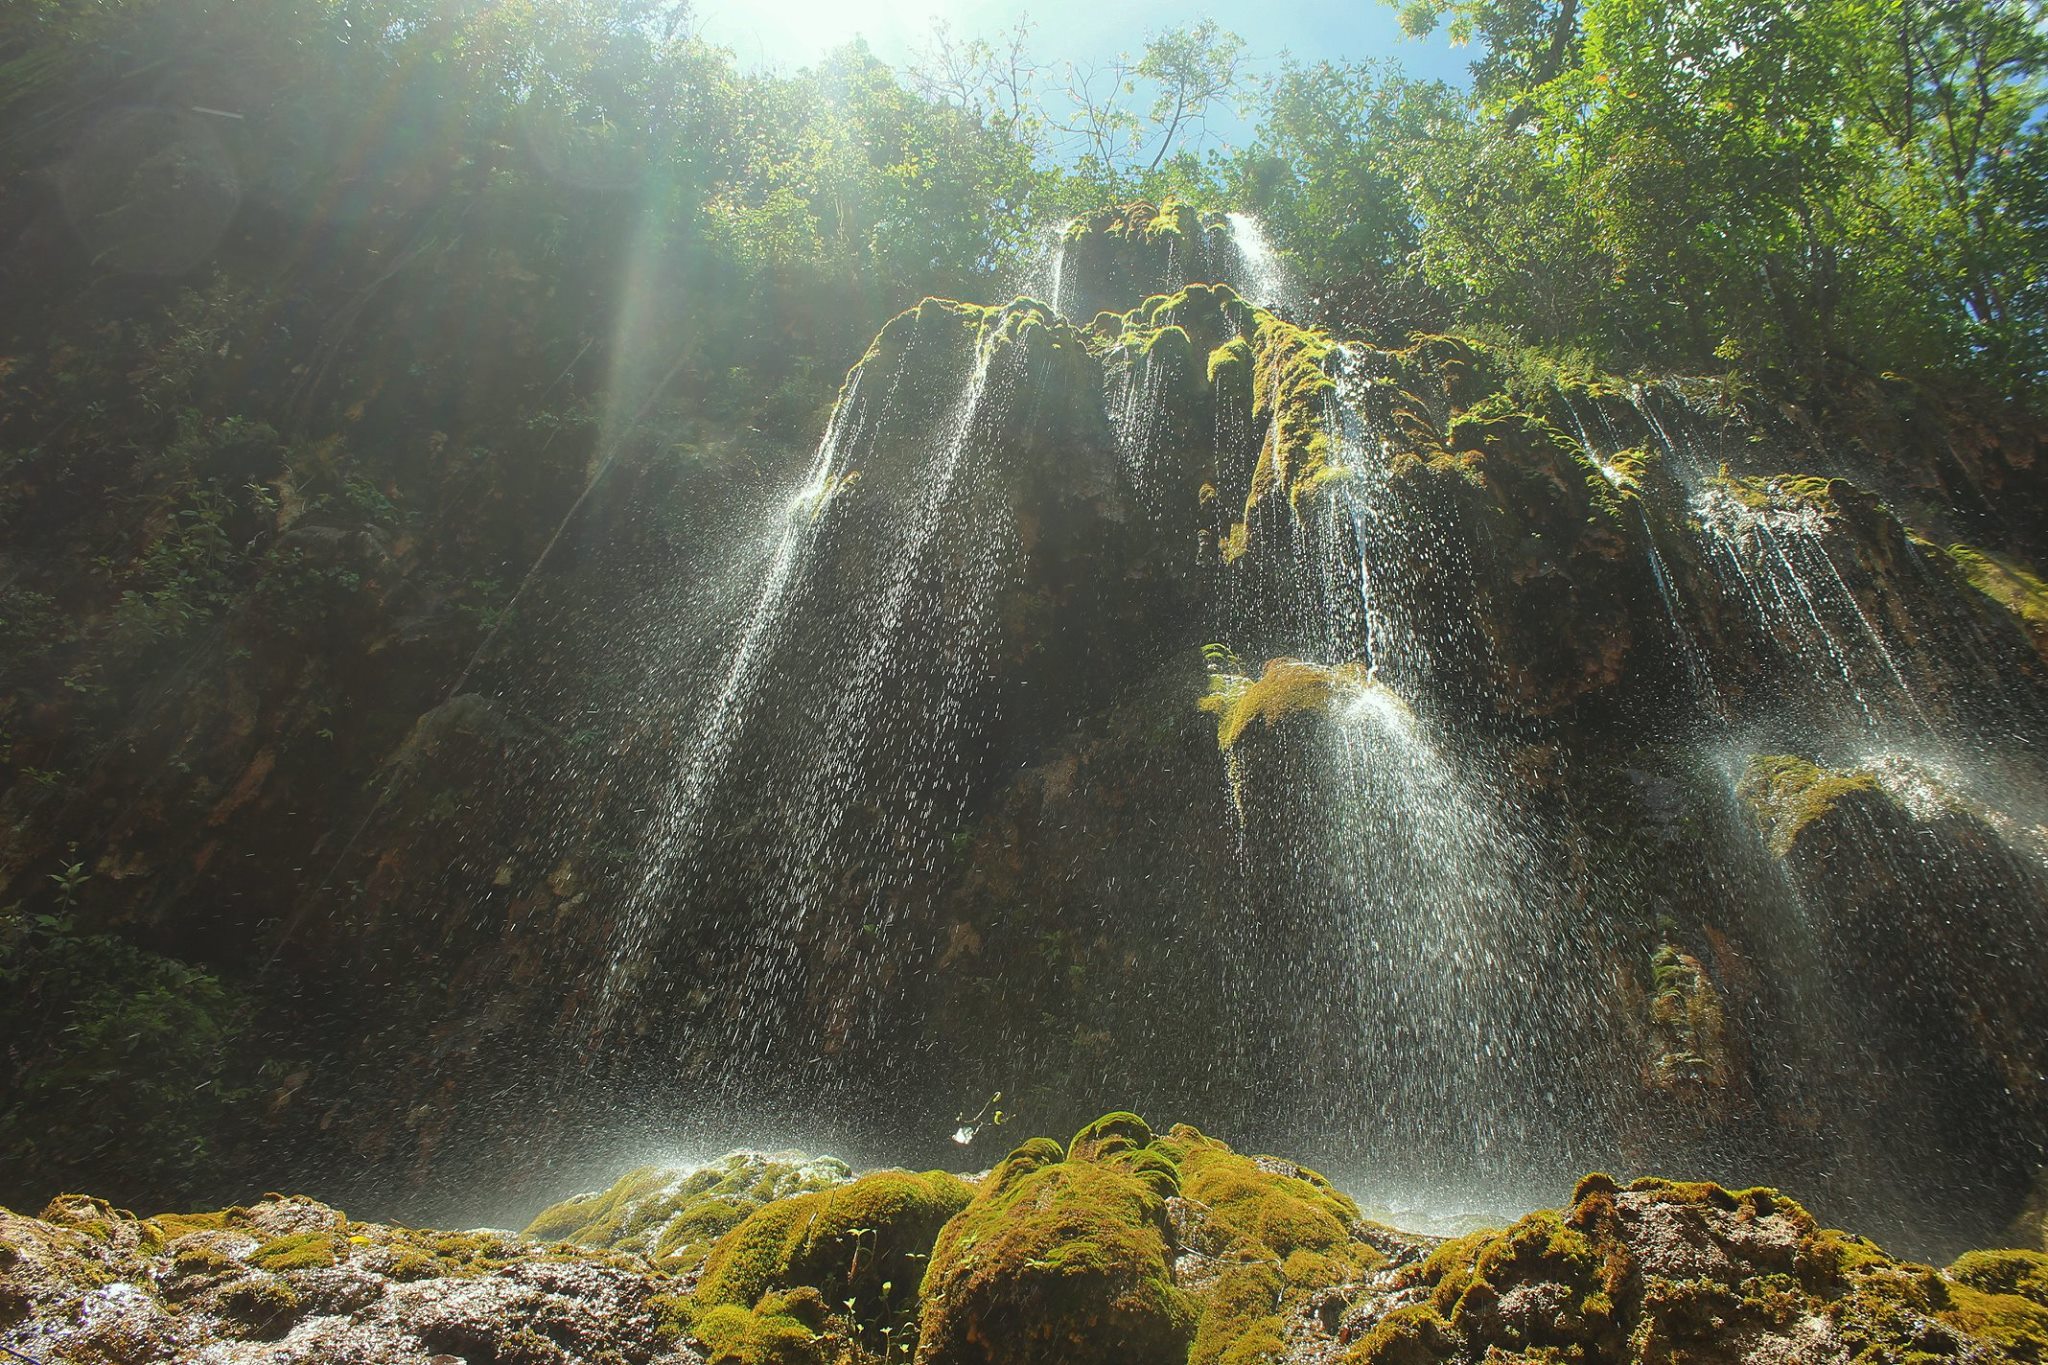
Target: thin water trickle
{"x": 1261, "y": 276}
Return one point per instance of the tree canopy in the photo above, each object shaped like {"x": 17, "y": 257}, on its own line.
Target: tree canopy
{"x": 1792, "y": 190}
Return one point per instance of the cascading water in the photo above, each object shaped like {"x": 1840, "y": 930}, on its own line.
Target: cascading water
{"x": 1260, "y": 275}
{"x": 853, "y": 709}
{"x": 675, "y": 831}
{"x": 1446, "y": 968}
{"x": 1453, "y": 881}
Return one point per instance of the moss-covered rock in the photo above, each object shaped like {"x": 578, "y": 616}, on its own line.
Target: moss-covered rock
{"x": 1063, "y": 1258}
{"x": 1259, "y": 1236}
{"x": 2012, "y": 585}
{"x": 863, "y": 1244}
{"x": 673, "y": 1215}
{"x": 781, "y": 1329}
{"x": 1659, "y": 1270}
{"x": 1688, "y": 1026}
{"x": 1786, "y": 793}
{"x": 89, "y": 1282}
{"x": 1119, "y": 254}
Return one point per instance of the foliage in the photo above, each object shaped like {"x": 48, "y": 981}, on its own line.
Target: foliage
{"x": 110, "y": 1047}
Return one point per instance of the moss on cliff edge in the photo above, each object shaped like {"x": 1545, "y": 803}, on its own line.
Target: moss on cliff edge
{"x": 2011, "y": 585}
{"x": 1786, "y": 793}
{"x": 1282, "y": 688}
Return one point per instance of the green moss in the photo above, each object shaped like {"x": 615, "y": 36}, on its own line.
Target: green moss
{"x": 1271, "y": 1212}
{"x": 1230, "y": 367}
{"x": 1282, "y": 1229}
{"x": 782, "y": 1329}
{"x": 1291, "y": 392}
{"x": 265, "y": 1308}
{"x": 2013, "y": 1323}
{"x": 1240, "y": 1321}
{"x": 847, "y": 1242}
{"x": 2020, "y": 1272}
{"x": 1784, "y": 492}
{"x": 1171, "y": 344}
{"x": 1413, "y": 1335}
{"x": 408, "y": 1263}
{"x": 169, "y": 1227}
{"x": 300, "y": 1251}
{"x": 1283, "y": 687}
{"x": 673, "y": 1216}
{"x": 684, "y": 1242}
{"x": 598, "y": 1219}
{"x": 1785, "y": 794}
{"x": 1687, "y": 1023}
{"x": 2010, "y": 584}
{"x": 1062, "y": 1256}
{"x": 1110, "y": 1135}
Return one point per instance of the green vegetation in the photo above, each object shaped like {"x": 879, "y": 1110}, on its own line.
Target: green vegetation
{"x": 862, "y": 1244}
{"x": 2011, "y": 585}
{"x": 1282, "y": 688}
{"x": 1786, "y": 793}
{"x": 1688, "y": 1024}
{"x": 782, "y": 1329}
{"x": 1063, "y": 1256}
{"x": 111, "y": 1049}
{"x": 673, "y": 1217}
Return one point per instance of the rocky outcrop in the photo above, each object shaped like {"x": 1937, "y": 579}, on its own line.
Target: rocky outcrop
{"x": 1122, "y": 1246}
{"x": 1928, "y": 899}
{"x": 1659, "y": 1271}
{"x": 1122, "y": 253}
{"x": 291, "y": 1280}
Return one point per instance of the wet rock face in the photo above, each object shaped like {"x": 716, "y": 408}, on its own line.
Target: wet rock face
{"x": 1930, "y": 901}
{"x": 1116, "y": 256}
{"x": 972, "y": 821}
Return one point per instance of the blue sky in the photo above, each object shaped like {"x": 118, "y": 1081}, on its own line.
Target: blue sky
{"x": 793, "y": 33}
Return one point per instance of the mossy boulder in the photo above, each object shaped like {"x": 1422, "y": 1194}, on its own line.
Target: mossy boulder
{"x": 1135, "y": 1247}
{"x": 1662, "y": 1270}
{"x": 673, "y": 1215}
{"x": 1063, "y": 1258}
{"x": 1258, "y": 1236}
{"x": 863, "y": 1243}
{"x": 781, "y": 1329}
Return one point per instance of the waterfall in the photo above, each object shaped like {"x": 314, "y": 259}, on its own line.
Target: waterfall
{"x": 836, "y": 698}
{"x": 1261, "y": 276}
{"x": 674, "y": 831}
{"x": 1414, "y": 940}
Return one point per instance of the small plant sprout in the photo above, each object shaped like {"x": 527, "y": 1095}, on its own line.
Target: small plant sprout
{"x": 68, "y": 882}
{"x": 988, "y": 1115}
